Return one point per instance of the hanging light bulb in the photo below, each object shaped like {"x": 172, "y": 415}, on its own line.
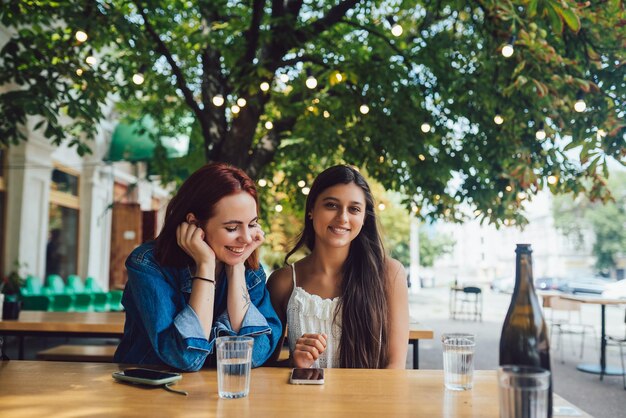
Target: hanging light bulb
{"x": 326, "y": 114}
{"x": 552, "y": 179}
{"x": 262, "y": 182}
{"x": 278, "y": 208}
{"x": 235, "y": 109}
{"x": 508, "y": 48}
{"x": 306, "y": 190}
{"x": 138, "y": 77}
{"x": 541, "y": 133}
{"x": 396, "y": 30}
{"x": 498, "y": 119}
{"x": 338, "y": 76}
{"x": 241, "y": 102}
{"x": 79, "y": 72}
{"x": 81, "y": 36}
{"x": 311, "y": 82}
{"x": 381, "y": 206}
{"x": 265, "y": 86}
{"x": 218, "y": 100}
{"x": 301, "y": 183}
{"x": 580, "y": 104}
{"x": 425, "y": 127}
{"x": 269, "y": 125}
{"x": 91, "y": 59}
{"x": 364, "y": 109}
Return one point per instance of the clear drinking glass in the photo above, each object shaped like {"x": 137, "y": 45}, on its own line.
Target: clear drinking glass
{"x": 458, "y": 360}
{"x": 234, "y": 360}
{"x": 523, "y": 391}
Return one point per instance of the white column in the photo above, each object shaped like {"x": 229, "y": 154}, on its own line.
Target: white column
{"x": 28, "y": 197}
{"x": 414, "y": 250}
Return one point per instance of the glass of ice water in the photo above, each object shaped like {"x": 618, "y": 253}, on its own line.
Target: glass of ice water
{"x": 458, "y": 360}
{"x": 234, "y": 359}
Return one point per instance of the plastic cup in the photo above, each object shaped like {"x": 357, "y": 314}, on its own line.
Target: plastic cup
{"x": 523, "y": 391}
{"x": 234, "y": 360}
{"x": 458, "y": 361}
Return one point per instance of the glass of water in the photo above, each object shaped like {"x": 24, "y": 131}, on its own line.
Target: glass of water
{"x": 458, "y": 360}
{"x": 234, "y": 359}
{"x": 524, "y": 391}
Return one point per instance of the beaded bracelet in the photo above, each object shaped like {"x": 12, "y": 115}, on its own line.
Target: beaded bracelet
{"x": 204, "y": 279}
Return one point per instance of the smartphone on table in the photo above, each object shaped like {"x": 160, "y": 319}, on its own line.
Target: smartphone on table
{"x": 147, "y": 376}
{"x": 312, "y": 376}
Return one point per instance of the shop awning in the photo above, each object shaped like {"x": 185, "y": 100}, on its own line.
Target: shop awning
{"x": 134, "y": 142}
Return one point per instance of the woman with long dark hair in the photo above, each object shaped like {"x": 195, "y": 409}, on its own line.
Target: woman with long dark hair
{"x": 346, "y": 303}
{"x": 200, "y": 278}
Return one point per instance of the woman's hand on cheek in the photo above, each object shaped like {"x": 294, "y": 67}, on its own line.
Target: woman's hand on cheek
{"x": 258, "y": 237}
{"x": 191, "y": 239}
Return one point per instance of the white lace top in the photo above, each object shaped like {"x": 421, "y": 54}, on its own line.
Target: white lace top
{"x": 310, "y": 314}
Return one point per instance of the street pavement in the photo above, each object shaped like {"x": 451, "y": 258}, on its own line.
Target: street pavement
{"x": 602, "y": 399}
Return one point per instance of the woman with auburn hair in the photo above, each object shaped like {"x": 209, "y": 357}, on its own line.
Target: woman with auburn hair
{"x": 200, "y": 279}
{"x": 346, "y": 303}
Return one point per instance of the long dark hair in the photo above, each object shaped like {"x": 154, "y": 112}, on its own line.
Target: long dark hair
{"x": 198, "y": 195}
{"x": 363, "y": 304}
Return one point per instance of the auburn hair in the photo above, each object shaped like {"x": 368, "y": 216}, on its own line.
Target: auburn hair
{"x": 363, "y": 303}
{"x": 198, "y": 195}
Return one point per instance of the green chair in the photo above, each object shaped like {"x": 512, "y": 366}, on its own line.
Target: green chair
{"x": 74, "y": 284}
{"x": 115, "y": 300}
{"x": 92, "y": 286}
{"x": 100, "y": 302}
{"x": 55, "y": 284}
{"x": 36, "y": 302}
{"x": 32, "y": 286}
{"x": 62, "y": 303}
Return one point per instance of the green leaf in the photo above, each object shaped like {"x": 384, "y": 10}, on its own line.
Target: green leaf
{"x": 532, "y": 8}
{"x": 555, "y": 19}
{"x": 571, "y": 19}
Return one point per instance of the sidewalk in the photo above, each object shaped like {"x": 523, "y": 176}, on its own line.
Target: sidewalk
{"x": 602, "y": 399}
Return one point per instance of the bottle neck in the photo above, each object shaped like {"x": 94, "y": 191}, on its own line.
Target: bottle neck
{"x": 524, "y": 275}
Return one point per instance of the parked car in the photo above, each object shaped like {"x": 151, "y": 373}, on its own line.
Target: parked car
{"x": 503, "y": 284}
{"x": 549, "y": 283}
{"x": 592, "y": 285}
{"x": 615, "y": 290}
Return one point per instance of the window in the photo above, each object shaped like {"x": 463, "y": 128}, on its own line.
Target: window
{"x": 62, "y": 247}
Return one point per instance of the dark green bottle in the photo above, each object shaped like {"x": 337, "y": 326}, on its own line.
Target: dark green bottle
{"x": 524, "y": 338}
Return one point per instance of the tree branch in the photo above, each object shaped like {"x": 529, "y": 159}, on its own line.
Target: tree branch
{"x": 334, "y": 15}
{"x": 374, "y": 31}
{"x": 162, "y": 48}
{"x": 252, "y": 34}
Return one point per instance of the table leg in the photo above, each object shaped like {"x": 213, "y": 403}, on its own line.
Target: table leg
{"x": 601, "y": 369}
{"x": 21, "y": 350}
{"x": 416, "y": 354}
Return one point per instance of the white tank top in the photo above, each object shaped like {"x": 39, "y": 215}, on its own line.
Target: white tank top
{"x": 310, "y": 314}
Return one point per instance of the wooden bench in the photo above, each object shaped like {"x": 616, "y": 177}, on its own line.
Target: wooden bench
{"x": 87, "y": 353}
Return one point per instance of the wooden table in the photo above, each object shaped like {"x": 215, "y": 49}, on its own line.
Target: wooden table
{"x": 51, "y": 389}
{"x": 418, "y": 332}
{"x": 601, "y": 369}
{"x": 64, "y": 324}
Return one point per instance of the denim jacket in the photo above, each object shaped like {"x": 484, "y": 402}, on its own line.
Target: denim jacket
{"x": 162, "y": 328}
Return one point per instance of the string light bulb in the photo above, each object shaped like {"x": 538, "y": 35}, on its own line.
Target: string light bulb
{"x": 552, "y": 179}
{"x": 311, "y": 82}
{"x": 91, "y": 59}
{"x": 541, "y": 133}
{"x": 306, "y": 190}
{"x": 241, "y": 102}
{"x": 425, "y": 127}
{"x": 580, "y": 105}
{"x": 396, "y": 30}
{"x": 265, "y": 86}
{"x": 278, "y": 208}
{"x": 235, "y": 109}
{"x": 269, "y": 125}
{"x": 262, "y": 182}
{"x": 301, "y": 183}
{"x": 364, "y": 109}
{"x": 138, "y": 77}
{"x": 81, "y": 36}
{"x": 218, "y": 100}
{"x": 326, "y": 114}
{"x": 508, "y": 49}
{"x": 498, "y": 119}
